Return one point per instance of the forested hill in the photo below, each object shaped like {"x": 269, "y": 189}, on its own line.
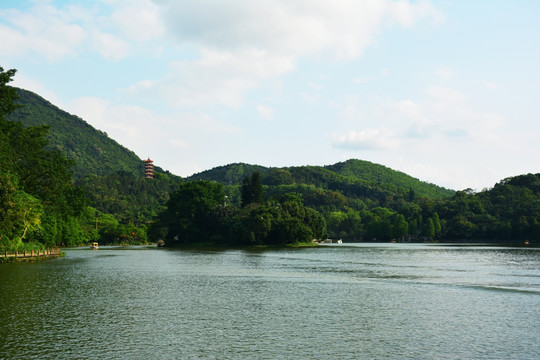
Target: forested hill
{"x": 368, "y": 171}
{"x": 350, "y": 178}
{"x": 92, "y": 150}
{"x": 231, "y": 174}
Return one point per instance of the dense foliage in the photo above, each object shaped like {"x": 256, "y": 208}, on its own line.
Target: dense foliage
{"x": 198, "y": 213}
{"x": 360, "y": 210}
{"x": 39, "y": 205}
{"x": 92, "y": 151}
{"x": 125, "y": 203}
{"x": 349, "y": 176}
{"x": 510, "y": 211}
{"x": 386, "y": 178}
{"x": 229, "y": 174}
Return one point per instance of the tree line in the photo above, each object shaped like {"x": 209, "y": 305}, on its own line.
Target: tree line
{"x": 204, "y": 211}
{"x": 199, "y": 213}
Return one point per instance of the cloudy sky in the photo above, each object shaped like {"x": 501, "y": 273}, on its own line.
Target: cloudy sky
{"x": 447, "y": 91}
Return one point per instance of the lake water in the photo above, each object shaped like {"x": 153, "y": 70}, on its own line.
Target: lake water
{"x": 350, "y": 301}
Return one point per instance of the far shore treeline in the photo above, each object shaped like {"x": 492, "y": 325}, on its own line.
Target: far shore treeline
{"x": 64, "y": 183}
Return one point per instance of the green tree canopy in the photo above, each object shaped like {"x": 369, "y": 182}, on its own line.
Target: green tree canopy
{"x": 252, "y": 190}
{"x": 188, "y": 211}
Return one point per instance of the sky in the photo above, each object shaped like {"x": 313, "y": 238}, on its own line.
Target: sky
{"x": 446, "y": 91}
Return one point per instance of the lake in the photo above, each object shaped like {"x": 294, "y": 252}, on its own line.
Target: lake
{"x": 349, "y": 301}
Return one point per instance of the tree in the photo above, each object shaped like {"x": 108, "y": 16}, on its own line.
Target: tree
{"x": 8, "y": 94}
{"x": 429, "y": 230}
{"x": 379, "y": 224}
{"x": 316, "y": 223}
{"x": 278, "y": 177}
{"x": 437, "y": 225}
{"x": 411, "y": 195}
{"x": 188, "y": 212}
{"x": 252, "y": 191}
{"x": 289, "y": 231}
{"x": 400, "y": 226}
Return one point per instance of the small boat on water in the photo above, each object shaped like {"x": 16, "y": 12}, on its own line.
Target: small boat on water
{"x": 339, "y": 241}
{"x": 94, "y": 246}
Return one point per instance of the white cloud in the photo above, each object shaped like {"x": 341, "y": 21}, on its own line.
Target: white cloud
{"x": 57, "y": 32}
{"x": 178, "y": 143}
{"x": 265, "y": 112}
{"x": 198, "y": 122}
{"x": 443, "y": 99}
{"x": 139, "y": 20}
{"x": 315, "y": 86}
{"x": 468, "y": 142}
{"x": 91, "y": 109}
{"x": 296, "y": 28}
{"x": 412, "y": 118}
{"x": 243, "y": 44}
{"x": 110, "y": 46}
{"x": 43, "y": 30}
{"x": 443, "y": 72}
{"x": 216, "y": 78}
{"x": 408, "y": 109}
{"x": 445, "y": 113}
{"x": 368, "y": 139}
{"x": 491, "y": 85}
{"x": 235, "y": 46}
{"x": 406, "y": 14}
{"x": 141, "y": 86}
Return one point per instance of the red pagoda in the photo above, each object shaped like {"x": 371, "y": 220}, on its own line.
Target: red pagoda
{"x": 148, "y": 169}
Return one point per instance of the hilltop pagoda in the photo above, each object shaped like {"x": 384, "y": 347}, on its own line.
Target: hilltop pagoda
{"x": 148, "y": 169}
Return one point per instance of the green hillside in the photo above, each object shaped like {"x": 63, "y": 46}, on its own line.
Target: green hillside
{"x": 352, "y": 178}
{"x": 386, "y": 177}
{"x": 228, "y": 174}
{"x": 121, "y": 201}
{"x": 92, "y": 150}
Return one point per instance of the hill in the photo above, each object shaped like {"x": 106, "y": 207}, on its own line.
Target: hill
{"x": 352, "y": 178}
{"x": 110, "y": 175}
{"x": 228, "y": 174}
{"x": 368, "y": 171}
{"x": 91, "y": 149}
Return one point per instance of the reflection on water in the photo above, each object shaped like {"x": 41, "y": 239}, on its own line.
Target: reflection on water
{"x": 359, "y": 301}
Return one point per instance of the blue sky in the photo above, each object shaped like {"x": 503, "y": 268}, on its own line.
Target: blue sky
{"x": 446, "y": 91}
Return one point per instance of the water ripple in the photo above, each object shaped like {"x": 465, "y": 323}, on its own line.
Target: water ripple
{"x": 356, "y": 302}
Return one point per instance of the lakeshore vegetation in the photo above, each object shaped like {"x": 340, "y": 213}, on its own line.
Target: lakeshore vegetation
{"x": 64, "y": 183}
